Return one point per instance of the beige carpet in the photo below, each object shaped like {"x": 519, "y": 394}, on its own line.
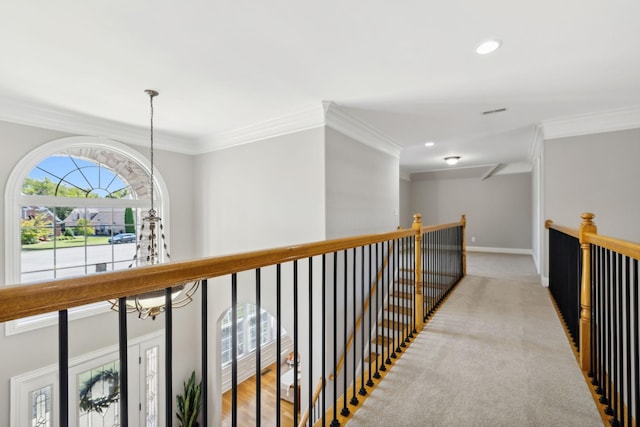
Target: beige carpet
{"x": 495, "y": 354}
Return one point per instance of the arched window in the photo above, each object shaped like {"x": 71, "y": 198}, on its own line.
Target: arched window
{"x": 73, "y": 207}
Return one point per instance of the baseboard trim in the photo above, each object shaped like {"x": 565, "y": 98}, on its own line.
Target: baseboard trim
{"x": 512, "y": 251}
{"x": 544, "y": 280}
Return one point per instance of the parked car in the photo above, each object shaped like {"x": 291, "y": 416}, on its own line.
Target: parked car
{"x": 123, "y": 238}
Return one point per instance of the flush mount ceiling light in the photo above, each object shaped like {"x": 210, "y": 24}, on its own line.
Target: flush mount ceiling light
{"x": 488, "y": 47}
{"x": 429, "y": 144}
{"x": 452, "y": 160}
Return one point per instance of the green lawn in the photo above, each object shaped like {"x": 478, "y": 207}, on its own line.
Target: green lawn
{"x": 78, "y": 241}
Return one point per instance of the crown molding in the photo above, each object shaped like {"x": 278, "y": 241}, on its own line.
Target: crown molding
{"x": 308, "y": 117}
{"x": 326, "y": 113}
{"x": 606, "y": 121}
{"x": 342, "y": 121}
{"x": 47, "y": 117}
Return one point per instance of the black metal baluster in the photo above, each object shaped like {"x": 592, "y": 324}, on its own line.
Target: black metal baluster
{"x": 380, "y": 262}
{"x": 388, "y": 322}
{"x": 614, "y": 333}
{"x": 324, "y": 335}
{"x": 636, "y": 326}
{"x": 168, "y": 364}
{"x": 334, "y": 421}
{"x": 368, "y": 328}
{"x": 619, "y": 351}
{"x": 63, "y": 366}
{"x": 400, "y": 298}
{"x": 204, "y": 354}
{"x": 124, "y": 365}
{"x": 605, "y": 399}
{"x": 594, "y": 303}
{"x": 234, "y": 349}
{"x": 410, "y": 255}
{"x": 363, "y": 391}
{"x": 345, "y": 409}
{"x": 398, "y": 304}
{"x": 296, "y": 396}
{"x": 259, "y": 347}
{"x": 383, "y": 293}
{"x": 392, "y": 300}
{"x": 599, "y": 379}
{"x": 310, "y": 407}
{"x": 629, "y": 377}
{"x": 278, "y": 340}
{"x": 354, "y": 398}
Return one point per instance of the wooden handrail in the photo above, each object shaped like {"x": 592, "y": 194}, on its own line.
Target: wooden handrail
{"x": 314, "y": 399}
{"x": 574, "y": 232}
{"x": 18, "y": 301}
{"x": 623, "y": 247}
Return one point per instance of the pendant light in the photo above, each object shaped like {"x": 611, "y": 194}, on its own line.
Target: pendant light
{"x": 152, "y": 249}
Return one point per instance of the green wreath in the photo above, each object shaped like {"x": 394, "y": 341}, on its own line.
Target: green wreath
{"x": 99, "y": 404}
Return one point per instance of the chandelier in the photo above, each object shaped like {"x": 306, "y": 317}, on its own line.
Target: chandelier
{"x": 152, "y": 249}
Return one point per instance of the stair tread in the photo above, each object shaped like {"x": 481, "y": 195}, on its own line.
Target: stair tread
{"x": 372, "y": 357}
{"x": 398, "y": 309}
{"x": 387, "y": 323}
{"x": 380, "y": 340}
{"x": 403, "y": 295}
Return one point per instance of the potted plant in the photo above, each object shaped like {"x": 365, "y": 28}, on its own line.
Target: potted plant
{"x": 189, "y": 402}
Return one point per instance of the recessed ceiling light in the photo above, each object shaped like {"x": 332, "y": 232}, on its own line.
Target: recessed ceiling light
{"x": 488, "y": 47}
{"x": 452, "y": 160}
{"x": 429, "y": 144}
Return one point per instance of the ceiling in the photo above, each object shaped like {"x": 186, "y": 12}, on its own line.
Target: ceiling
{"x": 406, "y": 68}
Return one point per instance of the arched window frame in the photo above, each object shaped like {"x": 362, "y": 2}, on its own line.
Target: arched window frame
{"x": 14, "y": 200}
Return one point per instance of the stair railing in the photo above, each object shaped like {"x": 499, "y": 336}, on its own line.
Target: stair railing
{"x": 594, "y": 281}
{"x": 315, "y": 278}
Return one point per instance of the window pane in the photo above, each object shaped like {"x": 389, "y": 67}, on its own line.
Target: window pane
{"x": 98, "y": 396}
{"x": 152, "y": 387}
{"x": 41, "y": 407}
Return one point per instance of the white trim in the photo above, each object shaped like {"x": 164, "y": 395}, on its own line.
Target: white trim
{"x": 49, "y": 375}
{"x": 297, "y": 121}
{"x": 606, "y": 121}
{"x": 325, "y": 114}
{"x": 48, "y": 117}
{"x": 13, "y": 199}
{"x": 544, "y": 281}
{"x": 512, "y": 251}
{"x": 358, "y": 129}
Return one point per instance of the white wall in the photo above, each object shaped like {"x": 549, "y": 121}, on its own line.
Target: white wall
{"x": 261, "y": 195}
{"x": 595, "y": 173}
{"x": 362, "y": 191}
{"x": 498, "y": 209}
{"x": 406, "y": 215}
{"x": 36, "y": 349}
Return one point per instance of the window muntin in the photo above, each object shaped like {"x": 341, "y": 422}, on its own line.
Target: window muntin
{"x": 246, "y": 314}
{"x": 66, "y": 239}
{"x": 127, "y": 163}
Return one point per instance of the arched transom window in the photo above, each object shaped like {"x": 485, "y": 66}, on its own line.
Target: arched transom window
{"x": 74, "y": 207}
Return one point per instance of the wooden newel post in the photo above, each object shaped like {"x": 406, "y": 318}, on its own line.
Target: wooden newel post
{"x": 419, "y": 311}
{"x": 587, "y": 226}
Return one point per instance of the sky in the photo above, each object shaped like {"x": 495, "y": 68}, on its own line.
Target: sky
{"x": 78, "y": 172}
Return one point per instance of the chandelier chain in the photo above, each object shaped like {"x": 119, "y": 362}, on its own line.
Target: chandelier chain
{"x": 151, "y": 95}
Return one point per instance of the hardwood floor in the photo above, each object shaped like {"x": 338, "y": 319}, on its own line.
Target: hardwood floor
{"x": 246, "y": 408}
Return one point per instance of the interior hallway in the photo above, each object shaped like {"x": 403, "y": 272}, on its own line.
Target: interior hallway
{"x": 495, "y": 354}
